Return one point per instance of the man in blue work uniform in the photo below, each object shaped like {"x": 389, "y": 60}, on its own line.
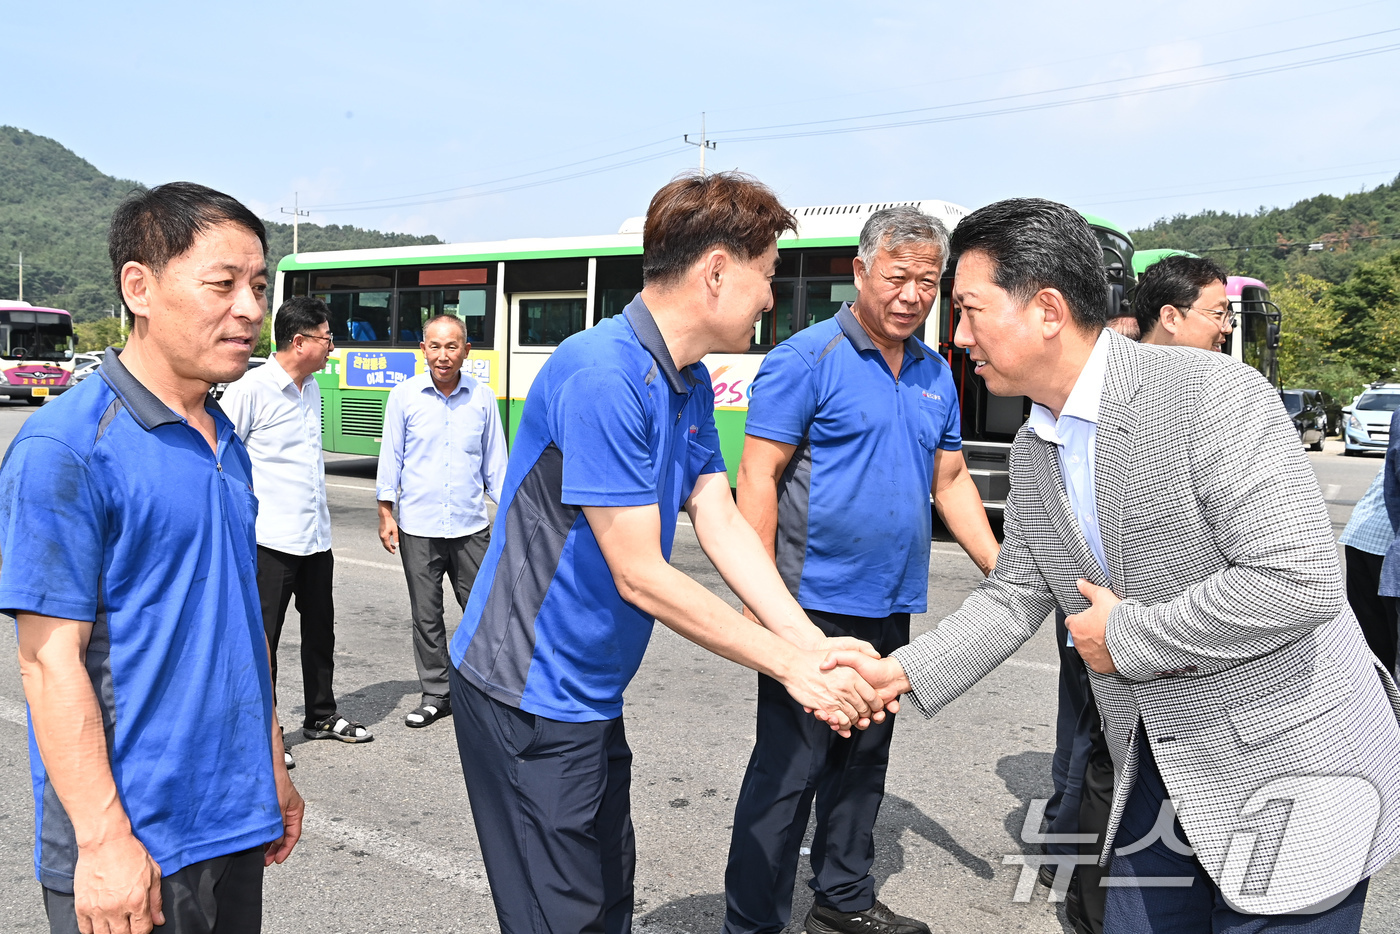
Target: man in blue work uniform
{"x": 852, "y": 423}
{"x": 617, "y": 435}
{"x": 126, "y": 522}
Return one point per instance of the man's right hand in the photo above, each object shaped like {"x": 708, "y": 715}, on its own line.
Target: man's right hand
{"x": 885, "y": 675}
{"x": 840, "y": 697}
{"x": 116, "y": 888}
{"x": 388, "y": 529}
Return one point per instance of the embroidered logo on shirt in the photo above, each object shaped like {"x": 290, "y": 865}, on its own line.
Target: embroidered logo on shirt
{"x": 693, "y": 429}
{"x": 932, "y": 395}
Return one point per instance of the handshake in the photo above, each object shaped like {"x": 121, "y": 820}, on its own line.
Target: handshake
{"x": 845, "y": 683}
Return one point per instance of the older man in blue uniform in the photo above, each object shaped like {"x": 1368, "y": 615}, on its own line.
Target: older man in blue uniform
{"x": 853, "y": 422}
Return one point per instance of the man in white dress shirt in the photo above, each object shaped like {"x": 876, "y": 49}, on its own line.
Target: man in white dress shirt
{"x": 276, "y": 410}
{"x": 443, "y": 448}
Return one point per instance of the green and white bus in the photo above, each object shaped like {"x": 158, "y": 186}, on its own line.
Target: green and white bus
{"x": 521, "y": 298}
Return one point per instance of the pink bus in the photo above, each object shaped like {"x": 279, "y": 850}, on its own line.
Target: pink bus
{"x": 36, "y": 351}
{"x": 1257, "y": 320}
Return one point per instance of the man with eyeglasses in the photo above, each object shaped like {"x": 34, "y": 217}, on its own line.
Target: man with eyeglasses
{"x": 1180, "y": 302}
{"x": 276, "y": 410}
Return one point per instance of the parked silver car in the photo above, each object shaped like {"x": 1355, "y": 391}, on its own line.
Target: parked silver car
{"x": 1366, "y": 422}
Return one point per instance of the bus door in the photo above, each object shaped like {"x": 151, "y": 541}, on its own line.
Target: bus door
{"x": 539, "y": 322}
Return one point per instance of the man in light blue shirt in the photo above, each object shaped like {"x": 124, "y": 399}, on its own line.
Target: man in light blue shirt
{"x": 442, "y": 448}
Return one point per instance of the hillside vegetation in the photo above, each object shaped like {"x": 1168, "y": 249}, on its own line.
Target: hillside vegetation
{"x": 1333, "y": 266}
{"x": 55, "y": 207}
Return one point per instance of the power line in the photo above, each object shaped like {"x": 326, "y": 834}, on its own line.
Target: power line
{"x": 1071, "y": 87}
{"x": 497, "y": 191}
{"x": 1313, "y": 246}
{"x": 1050, "y": 105}
{"x": 1221, "y": 191}
{"x": 483, "y": 189}
{"x": 509, "y": 178}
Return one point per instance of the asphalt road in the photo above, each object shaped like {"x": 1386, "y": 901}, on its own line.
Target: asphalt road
{"x": 389, "y": 843}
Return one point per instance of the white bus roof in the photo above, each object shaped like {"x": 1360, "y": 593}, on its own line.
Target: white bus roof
{"x": 816, "y": 226}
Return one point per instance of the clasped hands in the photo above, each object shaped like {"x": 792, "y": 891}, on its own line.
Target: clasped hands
{"x": 850, "y": 686}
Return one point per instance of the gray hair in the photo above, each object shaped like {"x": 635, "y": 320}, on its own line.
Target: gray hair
{"x": 895, "y": 227}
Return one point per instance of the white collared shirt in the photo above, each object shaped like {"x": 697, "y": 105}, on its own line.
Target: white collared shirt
{"x": 439, "y": 453}
{"x": 1073, "y": 435}
{"x": 281, "y": 427}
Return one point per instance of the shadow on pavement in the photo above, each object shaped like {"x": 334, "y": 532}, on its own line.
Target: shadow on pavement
{"x": 705, "y": 912}
{"x": 370, "y": 705}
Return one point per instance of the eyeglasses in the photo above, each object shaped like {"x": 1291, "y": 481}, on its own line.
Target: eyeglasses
{"x": 1223, "y": 318}
{"x": 330, "y": 341}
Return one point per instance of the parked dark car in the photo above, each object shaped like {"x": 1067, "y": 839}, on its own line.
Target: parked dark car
{"x": 1309, "y": 415}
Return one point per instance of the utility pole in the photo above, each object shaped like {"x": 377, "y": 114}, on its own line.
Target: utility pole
{"x": 20, "y": 264}
{"x": 297, "y": 215}
{"x": 701, "y": 142}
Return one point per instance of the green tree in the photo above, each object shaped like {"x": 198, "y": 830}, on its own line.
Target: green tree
{"x": 1368, "y": 305}
{"x": 96, "y": 336}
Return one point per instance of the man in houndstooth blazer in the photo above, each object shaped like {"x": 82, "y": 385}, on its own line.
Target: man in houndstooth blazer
{"x": 1231, "y": 671}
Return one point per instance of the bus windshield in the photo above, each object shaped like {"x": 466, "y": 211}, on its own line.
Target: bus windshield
{"x": 37, "y": 335}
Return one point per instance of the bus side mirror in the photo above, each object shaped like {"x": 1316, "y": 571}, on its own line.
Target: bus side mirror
{"x": 1273, "y": 336}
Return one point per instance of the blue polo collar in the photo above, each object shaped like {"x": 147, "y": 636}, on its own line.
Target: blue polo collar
{"x": 148, "y": 411}
{"x": 644, "y": 326}
{"x": 861, "y": 341}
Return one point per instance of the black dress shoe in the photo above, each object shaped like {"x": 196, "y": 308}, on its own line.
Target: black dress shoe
{"x": 877, "y": 919}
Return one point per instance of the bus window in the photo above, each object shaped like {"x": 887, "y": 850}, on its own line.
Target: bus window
{"x": 547, "y": 275}
{"x": 38, "y": 335}
{"x": 617, "y": 282}
{"x": 359, "y": 317}
{"x": 417, "y": 306}
{"x": 776, "y": 324}
{"x": 545, "y": 322}
{"x": 824, "y": 299}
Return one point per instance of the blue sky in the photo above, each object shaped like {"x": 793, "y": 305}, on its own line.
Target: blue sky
{"x": 429, "y": 110}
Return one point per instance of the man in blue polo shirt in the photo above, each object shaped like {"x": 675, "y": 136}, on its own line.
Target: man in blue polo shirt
{"x": 852, "y": 423}
{"x": 617, "y": 435}
{"x": 126, "y": 526}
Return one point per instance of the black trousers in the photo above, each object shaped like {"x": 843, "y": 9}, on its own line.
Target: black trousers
{"x": 425, "y": 561}
{"x": 222, "y": 895}
{"x": 1082, "y": 773}
{"x": 797, "y": 760}
{"x": 1375, "y": 613}
{"x": 309, "y": 578}
{"x": 552, "y": 806}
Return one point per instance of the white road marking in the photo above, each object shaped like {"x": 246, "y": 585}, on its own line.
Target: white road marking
{"x": 1331, "y": 491}
{"x": 361, "y": 562}
{"x": 1035, "y": 666}
{"x": 350, "y": 486}
{"x": 459, "y": 869}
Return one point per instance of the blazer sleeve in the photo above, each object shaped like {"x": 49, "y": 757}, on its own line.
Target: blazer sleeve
{"x": 1281, "y": 578}
{"x": 994, "y": 621}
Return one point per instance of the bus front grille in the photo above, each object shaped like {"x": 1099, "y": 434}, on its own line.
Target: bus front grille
{"x": 361, "y": 417}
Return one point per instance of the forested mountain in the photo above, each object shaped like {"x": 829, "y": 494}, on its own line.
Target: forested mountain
{"x": 55, "y": 207}
{"x": 1332, "y": 265}
{"x": 1274, "y": 242}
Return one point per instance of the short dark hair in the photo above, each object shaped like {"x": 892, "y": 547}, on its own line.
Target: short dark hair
{"x": 1037, "y": 244}
{"x": 695, "y": 213}
{"x": 466, "y": 338}
{"x": 1175, "y": 281}
{"x": 298, "y": 315}
{"x": 153, "y": 226}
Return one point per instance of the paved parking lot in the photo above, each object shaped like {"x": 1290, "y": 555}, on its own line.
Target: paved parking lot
{"x": 389, "y": 844}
